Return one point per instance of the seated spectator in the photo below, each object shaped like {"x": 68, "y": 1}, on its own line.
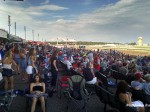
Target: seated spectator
{"x": 37, "y": 89}
{"x": 126, "y": 97}
{"x": 90, "y": 56}
{"x": 85, "y": 60}
{"x": 148, "y": 67}
{"x": 96, "y": 63}
{"x": 115, "y": 66}
{"x": 139, "y": 67}
{"x": 144, "y": 68}
{"x": 67, "y": 62}
{"x": 103, "y": 64}
{"x": 74, "y": 65}
{"x": 137, "y": 83}
{"x": 146, "y": 87}
{"x": 79, "y": 68}
{"x": 131, "y": 66}
{"x": 71, "y": 59}
{"x": 89, "y": 75}
{"x": 123, "y": 70}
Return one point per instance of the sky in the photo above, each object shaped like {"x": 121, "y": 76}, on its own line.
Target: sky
{"x": 120, "y": 21}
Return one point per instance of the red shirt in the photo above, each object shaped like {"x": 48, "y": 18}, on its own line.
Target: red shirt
{"x": 74, "y": 65}
{"x": 96, "y": 64}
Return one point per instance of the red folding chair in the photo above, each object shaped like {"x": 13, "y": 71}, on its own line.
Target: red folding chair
{"x": 62, "y": 84}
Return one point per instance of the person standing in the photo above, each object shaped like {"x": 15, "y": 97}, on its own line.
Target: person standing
{"x": 23, "y": 64}
{"x": 17, "y": 58}
{"x": 31, "y": 67}
{"x": 54, "y": 69}
{"x": 8, "y": 62}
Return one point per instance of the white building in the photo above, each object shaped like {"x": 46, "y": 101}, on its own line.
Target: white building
{"x": 140, "y": 41}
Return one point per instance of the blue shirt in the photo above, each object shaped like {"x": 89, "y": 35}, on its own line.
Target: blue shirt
{"x": 146, "y": 88}
{"x": 2, "y": 52}
{"x": 135, "y": 84}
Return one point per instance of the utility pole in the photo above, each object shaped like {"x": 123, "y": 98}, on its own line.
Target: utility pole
{"x": 66, "y": 41}
{"x": 25, "y": 31}
{"x": 38, "y": 36}
{"x": 15, "y": 28}
{"x": 33, "y": 34}
{"x": 9, "y": 25}
{"x": 57, "y": 41}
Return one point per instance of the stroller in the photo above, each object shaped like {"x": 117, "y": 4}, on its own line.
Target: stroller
{"x": 5, "y": 102}
{"x": 77, "y": 96}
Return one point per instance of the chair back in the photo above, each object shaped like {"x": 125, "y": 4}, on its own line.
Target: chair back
{"x": 105, "y": 96}
{"x": 108, "y": 98}
{"x": 77, "y": 86}
{"x": 102, "y": 78}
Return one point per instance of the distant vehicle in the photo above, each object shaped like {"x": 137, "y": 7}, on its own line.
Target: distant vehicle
{"x": 82, "y": 46}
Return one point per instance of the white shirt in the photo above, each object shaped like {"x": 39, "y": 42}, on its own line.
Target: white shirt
{"x": 69, "y": 65}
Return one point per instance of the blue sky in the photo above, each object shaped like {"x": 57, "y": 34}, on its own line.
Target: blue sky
{"x": 82, "y": 20}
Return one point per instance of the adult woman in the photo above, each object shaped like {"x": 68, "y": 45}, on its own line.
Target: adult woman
{"x": 7, "y": 71}
{"x": 37, "y": 88}
{"x": 17, "y": 58}
{"x": 23, "y": 63}
{"x": 54, "y": 69}
{"x": 31, "y": 67}
{"x": 126, "y": 97}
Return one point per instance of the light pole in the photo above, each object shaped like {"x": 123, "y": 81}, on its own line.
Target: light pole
{"x": 38, "y": 36}
{"x": 33, "y": 34}
{"x": 15, "y": 28}
{"x": 9, "y": 25}
{"x": 25, "y": 31}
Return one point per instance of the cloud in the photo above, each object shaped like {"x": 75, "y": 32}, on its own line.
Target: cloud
{"x": 122, "y": 21}
{"x": 24, "y": 16}
{"x": 50, "y": 7}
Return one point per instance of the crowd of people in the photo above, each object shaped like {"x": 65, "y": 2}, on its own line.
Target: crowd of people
{"x": 25, "y": 60}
